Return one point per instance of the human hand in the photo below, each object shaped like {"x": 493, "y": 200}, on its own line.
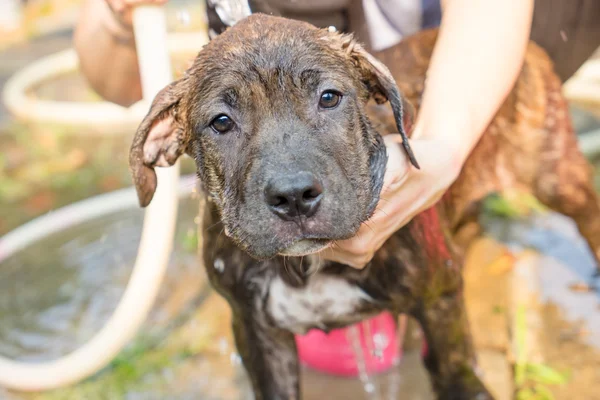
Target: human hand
{"x": 406, "y": 192}
{"x": 123, "y": 9}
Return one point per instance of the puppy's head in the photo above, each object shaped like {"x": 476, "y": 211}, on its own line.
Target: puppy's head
{"x": 273, "y": 112}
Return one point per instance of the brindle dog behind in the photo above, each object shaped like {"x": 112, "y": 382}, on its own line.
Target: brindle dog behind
{"x": 275, "y": 114}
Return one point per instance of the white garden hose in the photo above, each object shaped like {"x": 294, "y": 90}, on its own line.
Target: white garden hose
{"x": 10, "y": 15}
{"x": 80, "y": 117}
{"x": 153, "y": 254}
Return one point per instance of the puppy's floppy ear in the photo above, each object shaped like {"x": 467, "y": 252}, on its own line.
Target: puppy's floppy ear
{"x": 382, "y": 86}
{"x": 159, "y": 141}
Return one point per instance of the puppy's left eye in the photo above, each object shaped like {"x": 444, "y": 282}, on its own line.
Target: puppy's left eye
{"x": 222, "y": 124}
{"x": 330, "y": 99}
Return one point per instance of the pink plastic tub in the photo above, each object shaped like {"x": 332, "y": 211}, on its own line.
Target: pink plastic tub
{"x": 333, "y": 353}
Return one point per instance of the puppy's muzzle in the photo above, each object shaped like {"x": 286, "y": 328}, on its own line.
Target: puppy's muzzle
{"x": 294, "y": 196}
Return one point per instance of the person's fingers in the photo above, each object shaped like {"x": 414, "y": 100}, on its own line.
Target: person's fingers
{"x": 360, "y": 243}
{"x": 140, "y": 2}
{"x": 407, "y": 191}
{"x": 396, "y": 202}
{"x": 343, "y": 257}
{"x": 397, "y": 167}
{"x": 358, "y": 250}
{"x": 123, "y": 9}
{"x": 116, "y": 5}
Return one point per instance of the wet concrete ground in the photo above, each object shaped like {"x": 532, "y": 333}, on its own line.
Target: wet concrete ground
{"x": 195, "y": 357}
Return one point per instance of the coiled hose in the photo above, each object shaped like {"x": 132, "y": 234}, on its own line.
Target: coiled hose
{"x": 153, "y": 252}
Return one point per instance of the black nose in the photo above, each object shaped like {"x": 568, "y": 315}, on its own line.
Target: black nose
{"x": 293, "y": 196}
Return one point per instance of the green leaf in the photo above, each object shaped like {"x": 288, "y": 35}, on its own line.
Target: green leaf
{"x": 526, "y": 394}
{"x": 520, "y": 332}
{"x": 498, "y": 205}
{"x": 544, "y": 374}
{"x": 533, "y": 203}
{"x": 498, "y": 310}
{"x": 543, "y": 393}
{"x": 13, "y": 190}
{"x": 190, "y": 241}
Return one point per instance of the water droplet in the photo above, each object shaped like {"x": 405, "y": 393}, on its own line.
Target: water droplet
{"x": 369, "y": 387}
{"x": 168, "y": 375}
{"x": 219, "y": 265}
{"x": 235, "y": 359}
{"x": 332, "y": 28}
{"x": 353, "y": 334}
{"x": 563, "y": 36}
{"x": 183, "y": 16}
{"x": 479, "y": 372}
{"x": 381, "y": 340}
{"x": 380, "y": 343}
{"x": 378, "y": 354}
{"x": 223, "y": 346}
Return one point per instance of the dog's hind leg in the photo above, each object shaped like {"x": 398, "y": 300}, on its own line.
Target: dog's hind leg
{"x": 564, "y": 179}
{"x": 565, "y": 184}
{"x": 450, "y": 358}
{"x": 269, "y": 356}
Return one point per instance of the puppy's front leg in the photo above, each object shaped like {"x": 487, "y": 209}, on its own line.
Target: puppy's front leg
{"x": 269, "y": 356}
{"x": 450, "y": 358}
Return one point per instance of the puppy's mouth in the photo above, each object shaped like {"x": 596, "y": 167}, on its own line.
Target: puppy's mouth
{"x": 305, "y": 247}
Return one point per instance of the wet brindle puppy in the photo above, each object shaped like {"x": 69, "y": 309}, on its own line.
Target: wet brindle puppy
{"x": 277, "y": 115}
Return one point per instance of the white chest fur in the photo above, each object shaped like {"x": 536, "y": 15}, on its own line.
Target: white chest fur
{"x": 323, "y": 300}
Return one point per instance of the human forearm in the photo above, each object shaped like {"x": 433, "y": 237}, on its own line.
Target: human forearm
{"x": 107, "y": 54}
{"x": 475, "y": 63}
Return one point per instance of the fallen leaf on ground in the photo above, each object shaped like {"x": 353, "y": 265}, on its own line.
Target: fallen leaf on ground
{"x": 581, "y": 287}
{"x": 75, "y": 159}
{"x": 40, "y": 202}
{"x": 109, "y": 183}
{"x": 502, "y": 264}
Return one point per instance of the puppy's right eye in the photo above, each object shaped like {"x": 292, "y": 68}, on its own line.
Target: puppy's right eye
{"x": 329, "y": 99}
{"x": 222, "y": 124}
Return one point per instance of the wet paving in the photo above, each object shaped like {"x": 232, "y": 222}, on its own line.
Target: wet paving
{"x": 567, "y": 272}
{"x": 57, "y": 293}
